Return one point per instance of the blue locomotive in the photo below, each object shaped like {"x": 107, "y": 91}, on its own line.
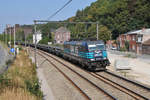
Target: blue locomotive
{"x": 90, "y": 54}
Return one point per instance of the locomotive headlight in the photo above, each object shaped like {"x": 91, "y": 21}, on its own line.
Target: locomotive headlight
{"x": 104, "y": 58}
{"x": 92, "y": 59}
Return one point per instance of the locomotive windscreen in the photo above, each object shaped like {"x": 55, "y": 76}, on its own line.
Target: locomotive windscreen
{"x": 100, "y": 46}
{"x": 96, "y": 47}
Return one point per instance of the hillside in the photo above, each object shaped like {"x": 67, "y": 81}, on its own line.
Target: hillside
{"x": 115, "y": 16}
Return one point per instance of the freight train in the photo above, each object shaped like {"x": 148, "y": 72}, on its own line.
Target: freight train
{"x": 91, "y": 55}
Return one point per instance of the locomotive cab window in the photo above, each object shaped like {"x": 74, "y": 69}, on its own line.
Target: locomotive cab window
{"x": 92, "y": 47}
{"x": 100, "y": 47}
{"x": 96, "y": 47}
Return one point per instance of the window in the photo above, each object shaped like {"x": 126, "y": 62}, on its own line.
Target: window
{"x": 96, "y": 47}
{"x": 92, "y": 47}
{"x": 100, "y": 47}
{"x": 133, "y": 38}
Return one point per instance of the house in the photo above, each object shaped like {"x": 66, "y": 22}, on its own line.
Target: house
{"x": 38, "y": 37}
{"x": 134, "y": 40}
{"x": 27, "y": 30}
{"x": 62, "y": 34}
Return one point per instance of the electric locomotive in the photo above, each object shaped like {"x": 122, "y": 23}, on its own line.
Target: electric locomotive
{"x": 90, "y": 54}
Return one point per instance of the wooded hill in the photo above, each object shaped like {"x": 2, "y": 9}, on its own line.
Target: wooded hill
{"x": 115, "y": 16}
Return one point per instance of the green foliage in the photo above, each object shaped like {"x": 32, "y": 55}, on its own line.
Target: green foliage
{"x": 8, "y": 62}
{"x": 5, "y": 37}
{"x": 1, "y": 37}
{"x": 127, "y": 45}
{"x": 20, "y": 35}
{"x": 104, "y": 33}
{"x": 34, "y": 87}
{"x": 92, "y": 31}
{"x": 21, "y": 77}
{"x": 119, "y": 16}
{"x": 45, "y": 40}
{"x": 4, "y": 82}
{"x": 47, "y": 31}
{"x": 123, "y": 49}
{"x": 29, "y": 38}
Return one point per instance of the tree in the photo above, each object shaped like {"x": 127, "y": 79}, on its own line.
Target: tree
{"x": 104, "y": 33}
{"x": 20, "y": 36}
{"x": 127, "y": 45}
{"x": 45, "y": 40}
{"x": 91, "y": 31}
{"x": 29, "y": 37}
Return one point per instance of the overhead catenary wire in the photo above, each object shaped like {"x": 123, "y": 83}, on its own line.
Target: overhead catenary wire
{"x": 59, "y": 10}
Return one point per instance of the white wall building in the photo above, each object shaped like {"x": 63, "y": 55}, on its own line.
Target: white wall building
{"x": 39, "y": 36}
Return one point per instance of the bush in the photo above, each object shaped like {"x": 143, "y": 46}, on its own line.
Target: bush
{"x": 8, "y": 62}
{"x": 45, "y": 40}
{"x": 34, "y": 87}
{"x": 123, "y": 49}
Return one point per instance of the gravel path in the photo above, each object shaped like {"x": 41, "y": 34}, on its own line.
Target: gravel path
{"x": 140, "y": 70}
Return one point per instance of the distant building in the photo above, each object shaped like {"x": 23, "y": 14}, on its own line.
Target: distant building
{"x": 39, "y": 37}
{"x": 10, "y": 29}
{"x": 27, "y": 29}
{"x": 135, "y": 40}
{"x": 62, "y": 34}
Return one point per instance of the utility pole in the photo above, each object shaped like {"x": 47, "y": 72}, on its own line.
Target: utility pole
{"x": 35, "y": 33}
{"x": 9, "y": 35}
{"x": 97, "y": 31}
{"x": 25, "y": 40}
{"x": 14, "y": 40}
{"x": 96, "y": 23}
{"x": 6, "y": 35}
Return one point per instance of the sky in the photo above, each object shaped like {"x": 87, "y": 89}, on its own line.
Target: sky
{"x": 25, "y": 11}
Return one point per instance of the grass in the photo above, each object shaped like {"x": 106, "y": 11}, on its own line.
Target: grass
{"x": 20, "y": 80}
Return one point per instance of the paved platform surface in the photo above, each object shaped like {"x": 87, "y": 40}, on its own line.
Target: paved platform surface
{"x": 47, "y": 92}
{"x": 140, "y": 67}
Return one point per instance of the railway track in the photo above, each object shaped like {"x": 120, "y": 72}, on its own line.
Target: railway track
{"x": 105, "y": 94}
{"x": 122, "y": 88}
{"x": 131, "y": 86}
{"x": 100, "y": 76}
